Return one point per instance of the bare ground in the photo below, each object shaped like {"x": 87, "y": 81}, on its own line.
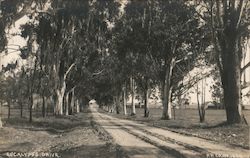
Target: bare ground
{"x": 68, "y": 137}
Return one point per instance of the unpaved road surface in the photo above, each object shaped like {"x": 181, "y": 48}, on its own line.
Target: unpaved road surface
{"x": 140, "y": 140}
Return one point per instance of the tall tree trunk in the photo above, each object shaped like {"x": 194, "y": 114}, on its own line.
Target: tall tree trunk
{"x": 77, "y": 106}
{"x": 118, "y": 103}
{"x": 1, "y": 105}
{"x": 72, "y": 102}
{"x": 167, "y": 91}
{"x": 231, "y": 82}
{"x": 21, "y": 109}
{"x": 59, "y": 103}
{"x": 133, "y": 95}
{"x": 124, "y": 100}
{"x": 227, "y": 43}
{"x": 43, "y": 106}
{"x": 198, "y": 102}
{"x": 8, "y": 109}
{"x": 59, "y": 99}
{"x": 67, "y": 103}
{"x": 170, "y": 102}
{"x": 201, "y": 106}
{"x": 30, "y": 107}
{"x": 146, "y": 111}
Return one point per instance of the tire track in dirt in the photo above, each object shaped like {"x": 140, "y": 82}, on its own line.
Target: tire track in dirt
{"x": 186, "y": 149}
{"x": 130, "y": 143}
{"x": 167, "y": 144}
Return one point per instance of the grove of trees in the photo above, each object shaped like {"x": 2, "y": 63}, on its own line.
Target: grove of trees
{"x": 110, "y": 50}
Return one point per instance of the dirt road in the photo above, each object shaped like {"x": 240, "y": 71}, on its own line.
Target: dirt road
{"x": 140, "y": 140}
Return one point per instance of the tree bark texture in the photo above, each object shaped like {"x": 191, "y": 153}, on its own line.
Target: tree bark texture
{"x": 231, "y": 80}
{"x": 30, "y": 107}
{"x": 60, "y": 91}
{"x": 132, "y": 82}
{"x": 146, "y": 111}
{"x": 77, "y": 106}
{"x": 43, "y": 106}
{"x": 67, "y": 103}
{"x": 1, "y": 124}
{"x": 227, "y": 43}
{"x": 167, "y": 91}
{"x": 21, "y": 109}
{"x": 124, "y": 100}
{"x": 8, "y": 109}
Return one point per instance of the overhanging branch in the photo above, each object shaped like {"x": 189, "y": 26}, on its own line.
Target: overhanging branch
{"x": 69, "y": 69}
{"x": 245, "y": 67}
{"x": 97, "y": 73}
{"x": 240, "y": 12}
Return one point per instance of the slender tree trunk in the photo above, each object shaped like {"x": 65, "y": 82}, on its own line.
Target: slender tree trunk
{"x": 43, "y": 106}
{"x": 170, "y": 102}
{"x": 167, "y": 91}
{"x": 201, "y": 106}
{"x": 146, "y": 111}
{"x": 21, "y": 109}
{"x": 198, "y": 103}
{"x": 59, "y": 103}
{"x": 59, "y": 99}
{"x": 77, "y": 106}
{"x": 1, "y": 105}
{"x": 124, "y": 100}
{"x": 30, "y": 107}
{"x": 117, "y": 104}
{"x": 72, "y": 104}
{"x": 133, "y": 95}
{"x": 8, "y": 109}
{"x": 67, "y": 103}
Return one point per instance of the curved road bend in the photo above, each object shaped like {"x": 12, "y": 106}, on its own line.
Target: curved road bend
{"x": 143, "y": 141}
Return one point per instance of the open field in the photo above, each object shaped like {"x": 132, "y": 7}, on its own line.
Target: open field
{"x": 187, "y": 122}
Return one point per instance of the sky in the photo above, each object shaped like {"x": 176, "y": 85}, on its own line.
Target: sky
{"x": 14, "y": 42}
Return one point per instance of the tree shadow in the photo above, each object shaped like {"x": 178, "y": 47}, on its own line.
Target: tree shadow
{"x": 51, "y": 124}
{"x": 17, "y": 148}
{"x": 111, "y": 151}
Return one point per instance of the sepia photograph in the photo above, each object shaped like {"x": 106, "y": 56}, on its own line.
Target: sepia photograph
{"x": 124, "y": 78}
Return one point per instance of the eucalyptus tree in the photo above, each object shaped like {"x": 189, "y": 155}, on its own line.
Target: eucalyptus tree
{"x": 173, "y": 24}
{"x": 56, "y": 39}
{"x": 71, "y": 38}
{"x": 133, "y": 47}
{"x": 154, "y": 39}
{"x": 232, "y": 17}
{"x": 228, "y": 21}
